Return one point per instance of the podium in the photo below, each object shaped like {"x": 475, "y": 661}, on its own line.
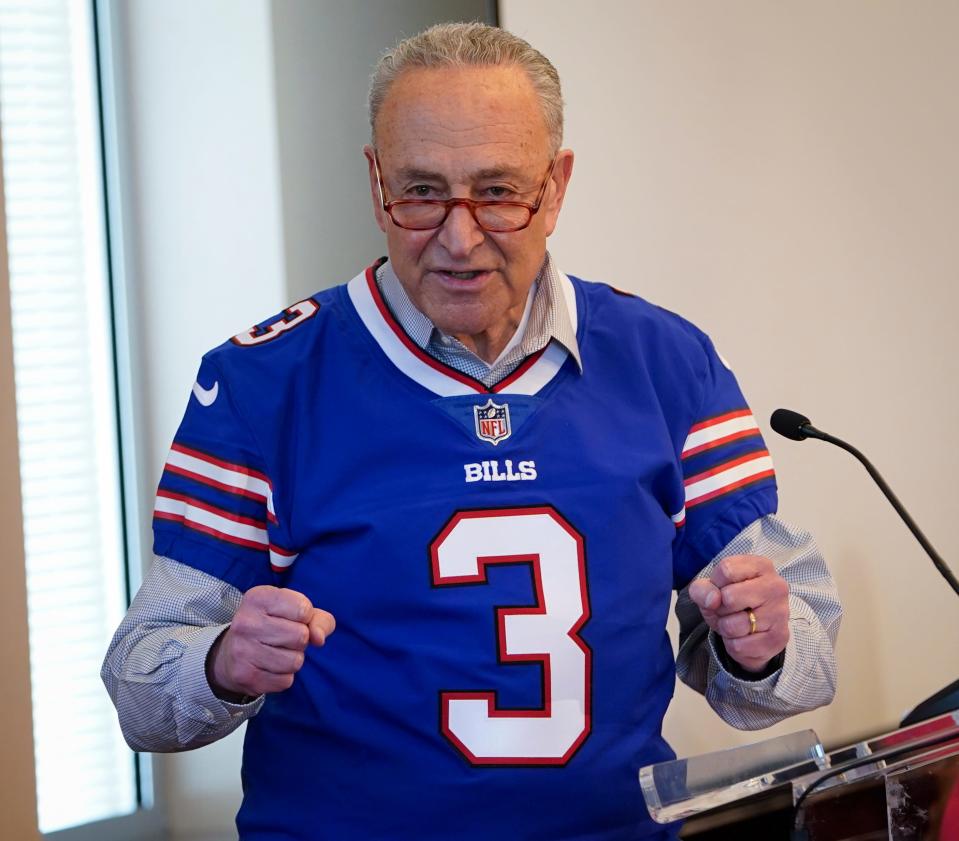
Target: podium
{"x": 899, "y": 786}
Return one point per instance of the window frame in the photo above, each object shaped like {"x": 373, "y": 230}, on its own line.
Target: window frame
{"x": 149, "y": 821}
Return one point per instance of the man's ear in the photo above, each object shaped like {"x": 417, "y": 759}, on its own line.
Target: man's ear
{"x": 375, "y": 189}
{"x": 556, "y": 191}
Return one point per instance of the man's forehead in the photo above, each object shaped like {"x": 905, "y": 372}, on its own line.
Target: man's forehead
{"x": 463, "y": 106}
{"x": 426, "y": 81}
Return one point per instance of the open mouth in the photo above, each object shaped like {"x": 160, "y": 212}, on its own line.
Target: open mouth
{"x": 471, "y": 275}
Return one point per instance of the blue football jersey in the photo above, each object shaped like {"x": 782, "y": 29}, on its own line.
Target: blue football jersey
{"x": 499, "y": 560}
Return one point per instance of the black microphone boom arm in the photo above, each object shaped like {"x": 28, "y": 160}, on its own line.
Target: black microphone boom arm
{"x": 798, "y": 428}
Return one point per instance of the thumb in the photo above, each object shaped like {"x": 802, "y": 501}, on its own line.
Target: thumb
{"x": 321, "y": 624}
{"x": 705, "y": 594}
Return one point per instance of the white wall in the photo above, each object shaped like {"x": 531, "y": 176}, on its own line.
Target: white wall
{"x": 785, "y": 174}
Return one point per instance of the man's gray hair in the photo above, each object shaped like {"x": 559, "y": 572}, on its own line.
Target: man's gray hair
{"x": 470, "y": 44}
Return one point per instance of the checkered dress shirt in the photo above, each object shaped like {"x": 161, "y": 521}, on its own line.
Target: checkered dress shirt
{"x": 155, "y": 668}
{"x": 545, "y": 319}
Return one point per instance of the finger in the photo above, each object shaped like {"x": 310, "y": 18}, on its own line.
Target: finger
{"x": 754, "y": 593}
{"x": 753, "y": 664}
{"x": 705, "y": 594}
{"x": 261, "y": 682}
{"x": 738, "y": 625}
{"x": 737, "y": 568}
{"x": 254, "y": 626}
{"x": 283, "y": 633}
{"x": 289, "y": 604}
{"x": 758, "y": 649}
{"x": 240, "y": 669}
{"x": 321, "y": 625}
{"x": 277, "y": 661}
{"x": 768, "y": 619}
{"x": 275, "y": 683}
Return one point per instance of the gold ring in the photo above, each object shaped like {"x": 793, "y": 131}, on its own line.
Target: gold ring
{"x": 752, "y": 620}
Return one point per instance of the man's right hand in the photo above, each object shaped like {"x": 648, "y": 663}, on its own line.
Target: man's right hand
{"x": 264, "y": 646}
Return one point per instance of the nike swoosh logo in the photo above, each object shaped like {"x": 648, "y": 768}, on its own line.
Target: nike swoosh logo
{"x": 206, "y": 396}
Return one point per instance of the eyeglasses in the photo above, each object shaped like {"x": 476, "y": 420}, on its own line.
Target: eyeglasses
{"x": 500, "y": 217}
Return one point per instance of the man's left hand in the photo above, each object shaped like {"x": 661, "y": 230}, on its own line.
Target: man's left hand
{"x": 738, "y": 584}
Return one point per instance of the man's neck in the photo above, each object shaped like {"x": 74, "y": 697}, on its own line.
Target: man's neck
{"x": 491, "y": 346}
{"x": 488, "y": 345}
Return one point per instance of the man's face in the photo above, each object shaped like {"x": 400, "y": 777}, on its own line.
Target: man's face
{"x": 478, "y": 133}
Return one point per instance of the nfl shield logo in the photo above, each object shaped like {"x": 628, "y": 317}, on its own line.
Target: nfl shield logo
{"x": 492, "y": 421}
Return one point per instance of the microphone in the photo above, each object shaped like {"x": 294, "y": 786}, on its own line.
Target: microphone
{"x": 798, "y": 427}
{"x": 793, "y": 425}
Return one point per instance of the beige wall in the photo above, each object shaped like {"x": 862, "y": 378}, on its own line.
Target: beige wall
{"x": 18, "y": 804}
{"x": 785, "y": 175}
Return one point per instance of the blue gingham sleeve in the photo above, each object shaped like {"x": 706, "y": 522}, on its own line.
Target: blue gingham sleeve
{"x": 807, "y": 678}
{"x": 155, "y": 667}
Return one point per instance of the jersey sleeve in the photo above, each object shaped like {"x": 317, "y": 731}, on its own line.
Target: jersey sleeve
{"x": 728, "y": 476}
{"x": 214, "y": 505}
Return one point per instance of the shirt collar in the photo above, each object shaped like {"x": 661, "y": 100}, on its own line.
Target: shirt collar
{"x": 546, "y": 317}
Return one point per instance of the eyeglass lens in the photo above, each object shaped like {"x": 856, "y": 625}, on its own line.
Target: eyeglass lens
{"x": 503, "y": 217}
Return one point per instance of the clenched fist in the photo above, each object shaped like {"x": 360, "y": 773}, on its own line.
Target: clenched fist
{"x": 738, "y": 584}
{"x": 264, "y": 646}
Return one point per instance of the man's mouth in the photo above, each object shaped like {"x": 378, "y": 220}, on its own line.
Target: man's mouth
{"x": 454, "y": 276}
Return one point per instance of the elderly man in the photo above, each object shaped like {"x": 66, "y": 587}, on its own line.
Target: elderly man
{"x": 493, "y": 476}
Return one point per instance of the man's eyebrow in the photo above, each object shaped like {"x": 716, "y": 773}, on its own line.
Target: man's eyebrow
{"x": 412, "y": 173}
{"x": 497, "y": 172}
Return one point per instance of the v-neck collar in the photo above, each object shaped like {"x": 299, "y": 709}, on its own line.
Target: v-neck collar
{"x": 529, "y": 378}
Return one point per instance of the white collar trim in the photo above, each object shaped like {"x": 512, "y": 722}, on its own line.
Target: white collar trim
{"x": 535, "y": 373}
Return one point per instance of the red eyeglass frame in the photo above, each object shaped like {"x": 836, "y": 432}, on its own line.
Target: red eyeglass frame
{"x": 470, "y": 204}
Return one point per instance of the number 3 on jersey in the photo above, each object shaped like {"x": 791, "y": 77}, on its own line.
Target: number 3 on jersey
{"x": 293, "y": 316}
{"x": 546, "y": 633}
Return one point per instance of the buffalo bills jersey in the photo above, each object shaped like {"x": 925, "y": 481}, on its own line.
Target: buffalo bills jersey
{"x": 499, "y": 560}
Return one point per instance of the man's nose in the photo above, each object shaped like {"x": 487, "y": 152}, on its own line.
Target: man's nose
{"x": 460, "y": 233}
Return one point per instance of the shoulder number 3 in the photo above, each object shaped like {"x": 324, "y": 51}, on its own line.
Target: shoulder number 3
{"x": 293, "y": 316}
{"x": 546, "y": 633}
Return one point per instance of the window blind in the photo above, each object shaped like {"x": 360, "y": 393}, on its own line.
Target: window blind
{"x": 65, "y": 404}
